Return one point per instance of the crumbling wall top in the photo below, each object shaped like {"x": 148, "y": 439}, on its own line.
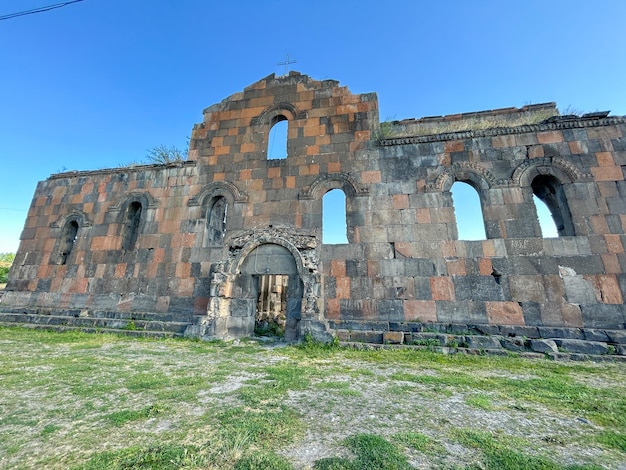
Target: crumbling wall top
{"x": 502, "y": 117}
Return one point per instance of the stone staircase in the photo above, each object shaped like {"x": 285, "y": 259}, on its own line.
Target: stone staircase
{"x": 128, "y": 323}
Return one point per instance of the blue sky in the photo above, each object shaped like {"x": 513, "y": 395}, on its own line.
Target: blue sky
{"x": 96, "y": 83}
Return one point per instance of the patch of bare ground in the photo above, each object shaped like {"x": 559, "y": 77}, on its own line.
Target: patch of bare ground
{"x": 389, "y": 407}
{"x": 64, "y": 400}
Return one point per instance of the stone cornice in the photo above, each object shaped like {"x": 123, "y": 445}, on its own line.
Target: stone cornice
{"x": 495, "y": 131}
{"x": 124, "y": 169}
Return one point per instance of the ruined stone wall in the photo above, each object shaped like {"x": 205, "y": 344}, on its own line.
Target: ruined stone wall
{"x": 198, "y": 224}
{"x": 412, "y": 269}
{"x": 157, "y": 275}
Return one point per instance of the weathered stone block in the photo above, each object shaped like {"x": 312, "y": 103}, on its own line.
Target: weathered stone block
{"x": 616, "y": 336}
{"x": 393, "y": 337}
{"x": 579, "y": 290}
{"x": 603, "y": 316}
{"x": 595, "y": 335}
{"x": 482, "y": 342}
{"x": 477, "y": 288}
{"x": 543, "y": 345}
{"x": 513, "y": 344}
{"x": 504, "y": 313}
{"x": 581, "y": 346}
{"x": 366, "y": 337}
{"x": 559, "y": 332}
{"x": 519, "y": 331}
{"x": 490, "y": 330}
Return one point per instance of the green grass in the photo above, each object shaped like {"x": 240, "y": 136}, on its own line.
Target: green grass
{"x": 420, "y": 442}
{"x": 481, "y": 401}
{"x": 153, "y": 457}
{"x": 497, "y": 455}
{"x": 73, "y": 400}
{"x": 263, "y": 461}
{"x": 120, "y": 418}
{"x": 372, "y": 452}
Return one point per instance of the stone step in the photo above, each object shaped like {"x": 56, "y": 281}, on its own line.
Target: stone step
{"x": 145, "y": 316}
{"x": 95, "y": 323}
{"x": 491, "y": 344}
{"x": 114, "y": 331}
{"x": 559, "y": 356}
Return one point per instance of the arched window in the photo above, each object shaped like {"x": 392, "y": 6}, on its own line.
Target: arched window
{"x": 277, "y": 141}
{"x": 468, "y": 212}
{"x": 550, "y": 191}
{"x": 546, "y": 222}
{"x": 216, "y": 220}
{"x": 334, "y": 228}
{"x": 131, "y": 226}
{"x": 68, "y": 239}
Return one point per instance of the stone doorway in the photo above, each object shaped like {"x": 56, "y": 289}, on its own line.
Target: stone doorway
{"x": 237, "y": 285}
{"x": 271, "y": 308}
{"x": 274, "y": 293}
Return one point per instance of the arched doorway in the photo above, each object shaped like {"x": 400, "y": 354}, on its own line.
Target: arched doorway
{"x": 271, "y": 291}
{"x": 237, "y": 286}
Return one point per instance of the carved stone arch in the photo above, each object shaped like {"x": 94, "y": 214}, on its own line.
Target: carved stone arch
{"x": 545, "y": 178}
{"x": 561, "y": 169}
{"x": 230, "y": 301}
{"x": 263, "y": 239}
{"x": 132, "y": 216}
{"x": 326, "y": 182}
{"x": 472, "y": 173}
{"x": 75, "y": 215}
{"x": 218, "y": 188}
{"x": 216, "y": 200}
{"x": 271, "y": 115}
{"x": 68, "y": 232}
{"x": 146, "y": 199}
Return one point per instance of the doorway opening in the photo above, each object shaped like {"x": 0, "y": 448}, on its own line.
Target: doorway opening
{"x": 271, "y": 309}
{"x": 268, "y": 300}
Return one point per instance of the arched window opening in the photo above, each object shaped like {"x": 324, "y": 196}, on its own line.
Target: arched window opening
{"x": 550, "y": 191}
{"x": 277, "y": 142}
{"x": 68, "y": 239}
{"x": 546, "y": 222}
{"x": 468, "y": 212}
{"x": 131, "y": 226}
{"x": 334, "y": 227}
{"x": 216, "y": 220}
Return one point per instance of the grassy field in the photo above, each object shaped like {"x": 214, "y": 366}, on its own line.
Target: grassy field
{"x": 71, "y": 400}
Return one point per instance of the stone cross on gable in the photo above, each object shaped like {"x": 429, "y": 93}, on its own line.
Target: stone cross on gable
{"x": 286, "y": 63}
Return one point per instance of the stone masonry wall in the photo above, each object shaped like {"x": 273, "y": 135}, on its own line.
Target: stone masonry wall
{"x": 200, "y": 220}
{"x": 413, "y": 270}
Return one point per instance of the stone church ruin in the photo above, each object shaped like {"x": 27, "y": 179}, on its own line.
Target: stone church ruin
{"x": 230, "y": 240}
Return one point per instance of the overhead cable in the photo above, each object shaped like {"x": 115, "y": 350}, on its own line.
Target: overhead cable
{"x": 38, "y": 10}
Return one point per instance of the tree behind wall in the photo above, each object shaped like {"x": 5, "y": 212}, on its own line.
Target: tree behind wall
{"x": 6, "y": 260}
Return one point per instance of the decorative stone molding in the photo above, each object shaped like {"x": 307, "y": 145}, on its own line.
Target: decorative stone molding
{"x": 277, "y": 109}
{"x": 217, "y": 187}
{"x": 301, "y": 245}
{"x": 525, "y": 129}
{"x": 565, "y": 171}
{"x": 145, "y": 198}
{"x": 330, "y": 181}
{"x": 78, "y": 216}
{"x": 469, "y": 172}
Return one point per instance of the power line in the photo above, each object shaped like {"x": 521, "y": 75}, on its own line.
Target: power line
{"x": 38, "y": 10}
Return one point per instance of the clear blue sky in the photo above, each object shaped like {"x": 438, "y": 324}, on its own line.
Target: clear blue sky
{"x": 96, "y": 83}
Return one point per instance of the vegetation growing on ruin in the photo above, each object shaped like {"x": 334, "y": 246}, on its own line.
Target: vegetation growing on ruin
{"x": 73, "y": 400}
{"x": 6, "y": 260}
{"x": 391, "y": 129}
